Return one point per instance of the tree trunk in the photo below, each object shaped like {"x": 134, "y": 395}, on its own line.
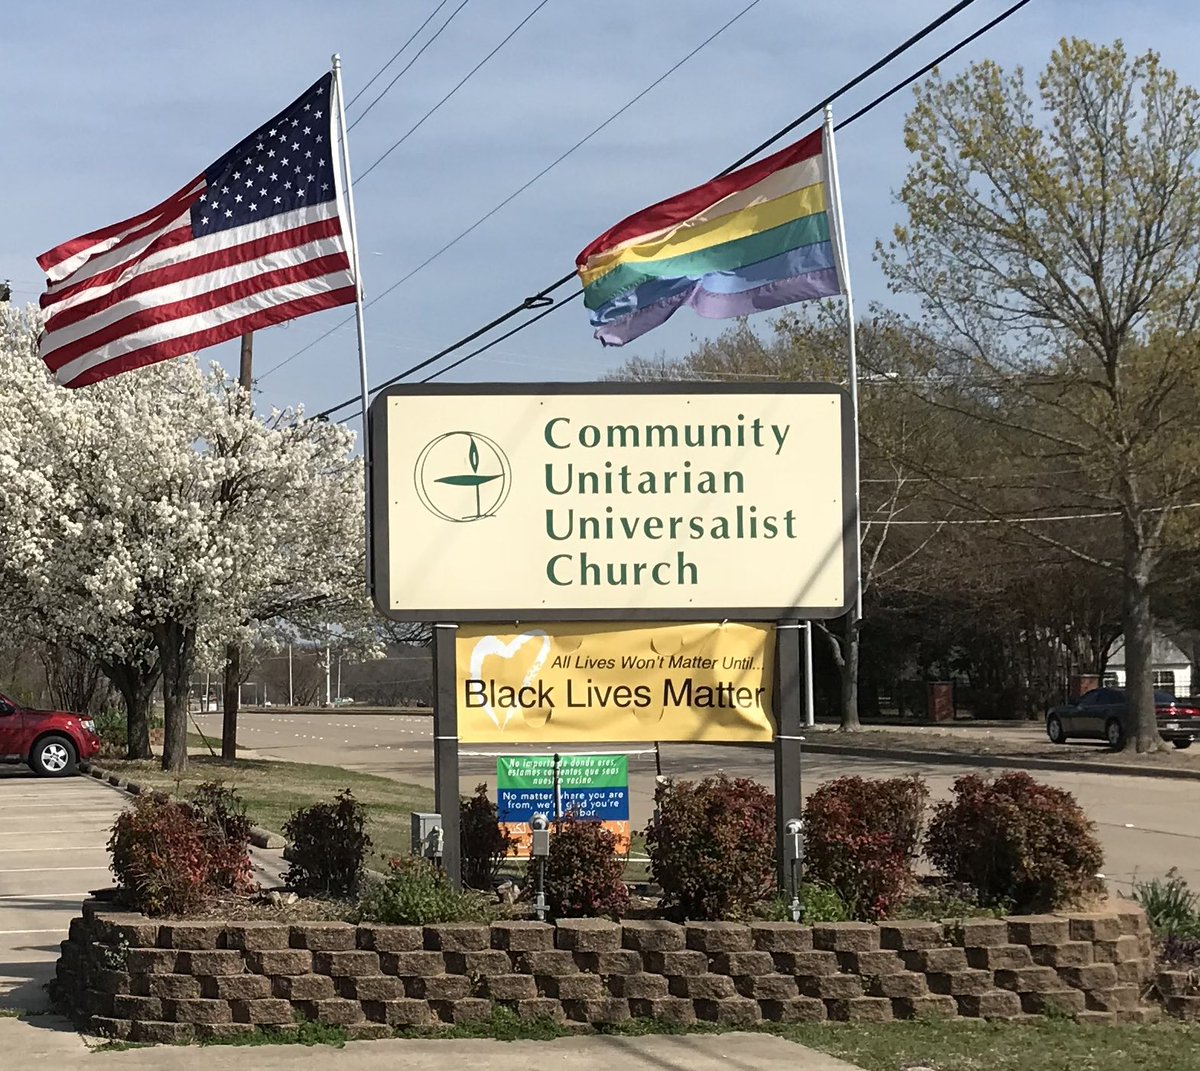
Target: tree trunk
{"x": 176, "y": 647}
{"x": 136, "y": 693}
{"x": 135, "y": 682}
{"x": 230, "y": 698}
{"x": 849, "y": 670}
{"x": 1142, "y": 726}
{"x": 845, "y": 655}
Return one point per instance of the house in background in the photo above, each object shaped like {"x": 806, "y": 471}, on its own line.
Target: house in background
{"x": 1172, "y": 668}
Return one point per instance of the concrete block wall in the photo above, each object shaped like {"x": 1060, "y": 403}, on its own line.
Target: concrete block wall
{"x": 147, "y": 980}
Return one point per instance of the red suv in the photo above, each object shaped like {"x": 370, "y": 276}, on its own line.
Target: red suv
{"x": 52, "y": 742}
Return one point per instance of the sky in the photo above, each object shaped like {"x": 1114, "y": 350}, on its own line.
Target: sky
{"x": 109, "y": 108}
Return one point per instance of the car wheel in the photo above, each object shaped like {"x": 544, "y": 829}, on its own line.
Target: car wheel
{"x": 1114, "y": 733}
{"x": 1181, "y": 744}
{"x": 1054, "y": 730}
{"x": 53, "y": 756}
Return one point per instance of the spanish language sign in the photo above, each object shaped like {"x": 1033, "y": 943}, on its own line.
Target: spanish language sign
{"x": 587, "y": 683}
{"x": 591, "y": 788}
{"x": 603, "y": 501}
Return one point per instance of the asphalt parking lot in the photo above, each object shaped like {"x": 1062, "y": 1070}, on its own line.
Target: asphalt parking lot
{"x": 52, "y": 837}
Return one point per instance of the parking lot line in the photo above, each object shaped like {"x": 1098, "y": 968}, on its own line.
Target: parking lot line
{"x": 46, "y": 869}
{"x": 60, "y": 848}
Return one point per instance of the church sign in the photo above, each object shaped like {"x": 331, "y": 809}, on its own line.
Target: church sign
{"x": 611, "y": 502}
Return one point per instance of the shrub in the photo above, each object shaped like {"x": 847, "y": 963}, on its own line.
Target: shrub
{"x": 712, "y": 846}
{"x": 329, "y": 844}
{"x": 110, "y": 727}
{"x": 417, "y": 893}
{"x": 583, "y": 872}
{"x": 225, "y": 830}
{"x": 1013, "y": 839}
{"x": 861, "y": 839}
{"x": 818, "y": 903}
{"x": 948, "y": 900}
{"x": 1170, "y": 905}
{"x": 1180, "y": 950}
{"x": 485, "y": 845}
{"x": 159, "y": 856}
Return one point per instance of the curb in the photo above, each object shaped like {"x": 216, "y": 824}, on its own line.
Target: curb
{"x": 259, "y": 837}
{"x": 952, "y": 758}
{"x": 370, "y": 712}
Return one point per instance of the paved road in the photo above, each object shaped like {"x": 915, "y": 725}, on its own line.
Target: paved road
{"x": 1146, "y": 825}
{"x": 51, "y": 853}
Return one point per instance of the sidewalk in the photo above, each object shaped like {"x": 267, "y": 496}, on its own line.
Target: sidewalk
{"x": 46, "y": 1041}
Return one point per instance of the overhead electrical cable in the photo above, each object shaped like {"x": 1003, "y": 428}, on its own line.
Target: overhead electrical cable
{"x": 404, "y": 70}
{"x": 903, "y": 83}
{"x": 463, "y": 81}
{"x": 395, "y": 56}
{"x": 542, "y": 297}
{"x": 521, "y": 189}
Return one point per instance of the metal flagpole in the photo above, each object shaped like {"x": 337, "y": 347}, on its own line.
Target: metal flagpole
{"x": 852, "y": 372}
{"x": 352, "y": 228}
{"x": 809, "y": 709}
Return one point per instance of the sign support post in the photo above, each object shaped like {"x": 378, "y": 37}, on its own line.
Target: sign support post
{"x": 789, "y": 720}
{"x": 445, "y": 748}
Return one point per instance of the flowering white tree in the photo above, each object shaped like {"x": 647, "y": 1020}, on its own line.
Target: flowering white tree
{"x": 152, "y": 513}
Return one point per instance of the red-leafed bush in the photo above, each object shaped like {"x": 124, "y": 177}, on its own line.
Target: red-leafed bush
{"x": 159, "y": 856}
{"x": 861, "y": 839}
{"x": 169, "y": 855}
{"x": 1016, "y": 841}
{"x": 225, "y": 830}
{"x": 712, "y": 846}
{"x": 583, "y": 871}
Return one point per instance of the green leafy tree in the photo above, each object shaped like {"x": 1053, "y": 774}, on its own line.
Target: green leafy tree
{"x": 810, "y": 346}
{"x": 1053, "y": 238}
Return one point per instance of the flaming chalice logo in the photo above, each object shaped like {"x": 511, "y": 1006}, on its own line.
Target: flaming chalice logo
{"x": 462, "y": 476}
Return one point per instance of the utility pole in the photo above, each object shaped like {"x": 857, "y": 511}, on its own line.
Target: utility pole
{"x": 291, "y": 697}
{"x": 233, "y": 652}
{"x": 327, "y": 695}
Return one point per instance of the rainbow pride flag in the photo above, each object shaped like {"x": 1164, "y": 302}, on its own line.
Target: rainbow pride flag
{"x": 755, "y": 239}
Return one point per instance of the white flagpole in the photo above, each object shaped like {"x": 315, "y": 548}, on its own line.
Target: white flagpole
{"x": 352, "y": 228}
{"x": 852, "y": 372}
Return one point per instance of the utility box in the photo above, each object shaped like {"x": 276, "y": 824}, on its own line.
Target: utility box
{"x": 939, "y": 698}
{"x": 425, "y": 827}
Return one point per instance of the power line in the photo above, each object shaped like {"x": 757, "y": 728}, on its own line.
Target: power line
{"x": 933, "y": 63}
{"x": 463, "y": 81}
{"x": 521, "y": 189}
{"x": 541, "y": 298}
{"x": 1037, "y": 519}
{"x": 844, "y": 123}
{"x": 396, "y": 55}
{"x": 404, "y": 70}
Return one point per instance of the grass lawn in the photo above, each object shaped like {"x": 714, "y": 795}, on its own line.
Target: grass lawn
{"x": 971, "y": 1045}
{"x": 273, "y": 790}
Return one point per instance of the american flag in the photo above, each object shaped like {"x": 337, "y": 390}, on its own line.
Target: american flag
{"x": 253, "y": 241}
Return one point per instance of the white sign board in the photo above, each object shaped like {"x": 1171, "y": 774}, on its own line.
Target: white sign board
{"x": 611, "y": 501}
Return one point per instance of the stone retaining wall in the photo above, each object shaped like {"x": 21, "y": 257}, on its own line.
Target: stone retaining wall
{"x": 133, "y": 977}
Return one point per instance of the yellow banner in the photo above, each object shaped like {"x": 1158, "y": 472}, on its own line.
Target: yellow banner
{"x": 589, "y": 683}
